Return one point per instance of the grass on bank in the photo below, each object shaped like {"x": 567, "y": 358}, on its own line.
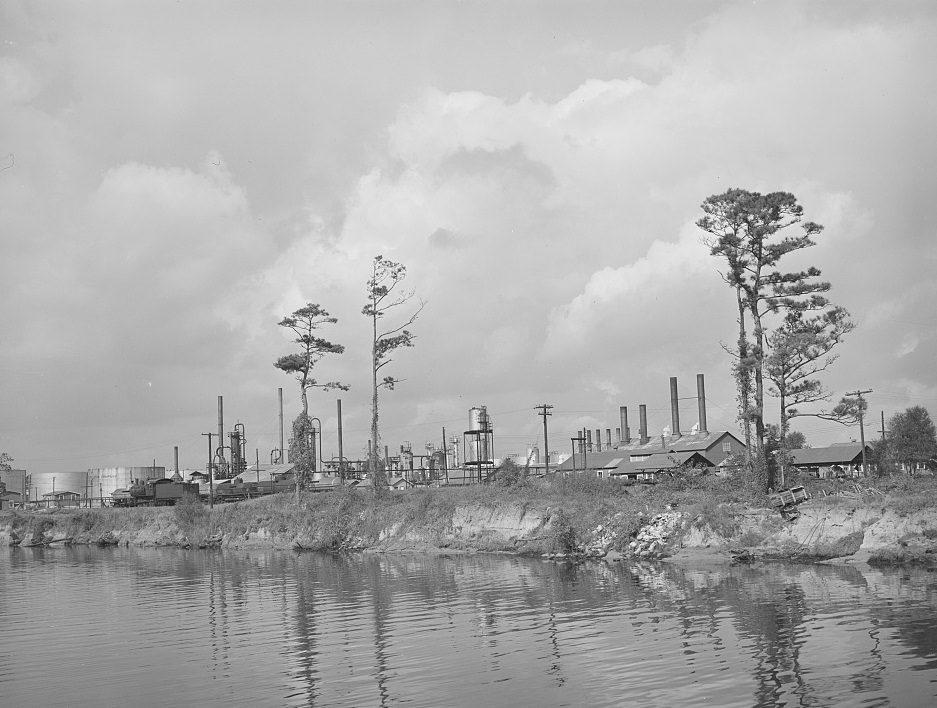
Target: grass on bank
{"x": 348, "y": 518}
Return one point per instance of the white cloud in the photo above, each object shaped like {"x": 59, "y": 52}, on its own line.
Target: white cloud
{"x": 167, "y": 209}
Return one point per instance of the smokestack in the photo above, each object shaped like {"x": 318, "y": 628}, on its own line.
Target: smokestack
{"x": 701, "y": 400}
{"x": 588, "y": 441}
{"x": 221, "y": 425}
{"x": 280, "y": 397}
{"x": 341, "y": 458}
{"x": 625, "y": 430}
{"x": 642, "y": 429}
{"x": 598, "y": 440}
{"x": 608, "y": 438}
{"x": 618, "y": 435}
{"x": 175, "y": 455}
{"x": 674, "y": 407}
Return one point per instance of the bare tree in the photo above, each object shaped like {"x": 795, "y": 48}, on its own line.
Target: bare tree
{"x": 385, "y": 293}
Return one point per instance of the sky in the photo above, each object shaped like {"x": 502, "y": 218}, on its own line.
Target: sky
{"x": 175, "y": 178}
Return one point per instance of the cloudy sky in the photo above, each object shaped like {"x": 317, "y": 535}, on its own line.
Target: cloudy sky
{"x": 177, "y": 177}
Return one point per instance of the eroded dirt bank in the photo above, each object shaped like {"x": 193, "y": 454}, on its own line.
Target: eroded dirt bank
{"x": 827, "y": 528}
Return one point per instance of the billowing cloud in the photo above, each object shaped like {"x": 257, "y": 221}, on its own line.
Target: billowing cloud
{"x": 174, "y": 192}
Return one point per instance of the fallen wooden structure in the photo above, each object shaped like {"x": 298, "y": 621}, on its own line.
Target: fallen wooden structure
{"x": 786, "y": 501}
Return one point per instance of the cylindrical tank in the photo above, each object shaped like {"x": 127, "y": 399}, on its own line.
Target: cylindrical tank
{"x": 479, "y": 423}
{"x": 477, "y": 417}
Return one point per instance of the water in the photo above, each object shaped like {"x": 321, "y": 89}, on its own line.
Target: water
{"x": 168, "y": 627}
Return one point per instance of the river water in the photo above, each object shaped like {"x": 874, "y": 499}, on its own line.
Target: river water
{"x": 86, "y": 626}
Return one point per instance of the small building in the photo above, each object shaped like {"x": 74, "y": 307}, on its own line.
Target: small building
{"x": 63, "y": 498}
{"x": 398, "y": 484}
{"x": 10, "y": 500}
{"x": 840, "y": 460}
{"x": 644, "y": 461}
{"x": 714, "y": 445}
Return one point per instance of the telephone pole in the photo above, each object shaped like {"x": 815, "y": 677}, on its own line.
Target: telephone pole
{"x": 544, "y": 409}
{"x": 859, "y": 394}
{"x": 211, "y": 484}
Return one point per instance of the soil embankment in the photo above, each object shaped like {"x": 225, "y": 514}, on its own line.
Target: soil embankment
{"x": 827, "y": 528}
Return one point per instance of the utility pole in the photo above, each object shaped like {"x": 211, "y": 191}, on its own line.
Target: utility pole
{"x": 544, "y": 409}
{"x": 211, "y": 486}
{"x": 581, "y": 439}
{"x": 445, "y": 457}
{"x": 859, "y": 394}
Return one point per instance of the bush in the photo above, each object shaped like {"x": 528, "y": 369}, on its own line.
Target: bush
{"x": 192, "y": 517}
{"x": 564, "y": 534}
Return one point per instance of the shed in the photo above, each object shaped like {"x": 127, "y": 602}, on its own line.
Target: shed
{"x": 63, "y": 498}
{"x": 844, "y": 459}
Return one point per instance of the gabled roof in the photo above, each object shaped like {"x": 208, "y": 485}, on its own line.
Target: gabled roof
{"x": 843, "y": 454}
{"x": 693, "y": 442}
{"x": 608, "y": 459}
{"x": 328, "y": 480}
{"x": 266, "y": 473}
{"x": 670, "y": 460}
{"x": 617, "y": 462}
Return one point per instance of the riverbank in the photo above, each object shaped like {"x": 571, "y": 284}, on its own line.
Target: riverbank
{"x": 880, "y": 520}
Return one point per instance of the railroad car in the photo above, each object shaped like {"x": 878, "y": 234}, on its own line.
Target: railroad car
{"x": 154, "y": 492}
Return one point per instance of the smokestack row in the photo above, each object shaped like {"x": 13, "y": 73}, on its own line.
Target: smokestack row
{"x": 643, "y": 437}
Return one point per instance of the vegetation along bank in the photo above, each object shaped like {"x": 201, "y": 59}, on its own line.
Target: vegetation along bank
{"x": 889, "y": 519}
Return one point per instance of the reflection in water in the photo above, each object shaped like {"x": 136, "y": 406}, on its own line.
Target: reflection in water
{"x": 167, "y": 626}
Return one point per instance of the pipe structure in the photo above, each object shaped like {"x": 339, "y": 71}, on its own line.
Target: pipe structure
{"x": 341, "y": 457}
{"x": 221, "y": 426}
{"x": 280, "y": 401}
{"x": 701, "y": 401}
{"x": 674, "y": 407}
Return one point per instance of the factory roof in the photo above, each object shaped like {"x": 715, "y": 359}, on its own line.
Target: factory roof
{"x": 676, "y": 443}
{"x": 842, "y": 454}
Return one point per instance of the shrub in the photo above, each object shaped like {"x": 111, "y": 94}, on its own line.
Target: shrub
{"x": 564, "y": 534}
{"x": 751, "y": 537}
{"x": 192, "y": 517}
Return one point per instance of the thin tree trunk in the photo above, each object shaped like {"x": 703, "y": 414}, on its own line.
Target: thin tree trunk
{"x": 743, "y": 381}
{"x": 377, "y": 476}
{"x": 758, "y": 412}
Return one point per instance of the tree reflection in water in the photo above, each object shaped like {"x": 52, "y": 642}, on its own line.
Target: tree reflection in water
{"x": 219, "y": 628}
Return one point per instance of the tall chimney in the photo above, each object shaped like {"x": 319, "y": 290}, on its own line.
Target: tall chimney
{"x": 642, "y": 429}
{"x": 588, "y": 440}
{"x": 701, "y": 400}
{"x": 608, "y": 438}
{"x": 598, "y": 440}
{"x": 341, "y": 458}
{"x": 625, "y": 430}
{"x": 674, "y": 407}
